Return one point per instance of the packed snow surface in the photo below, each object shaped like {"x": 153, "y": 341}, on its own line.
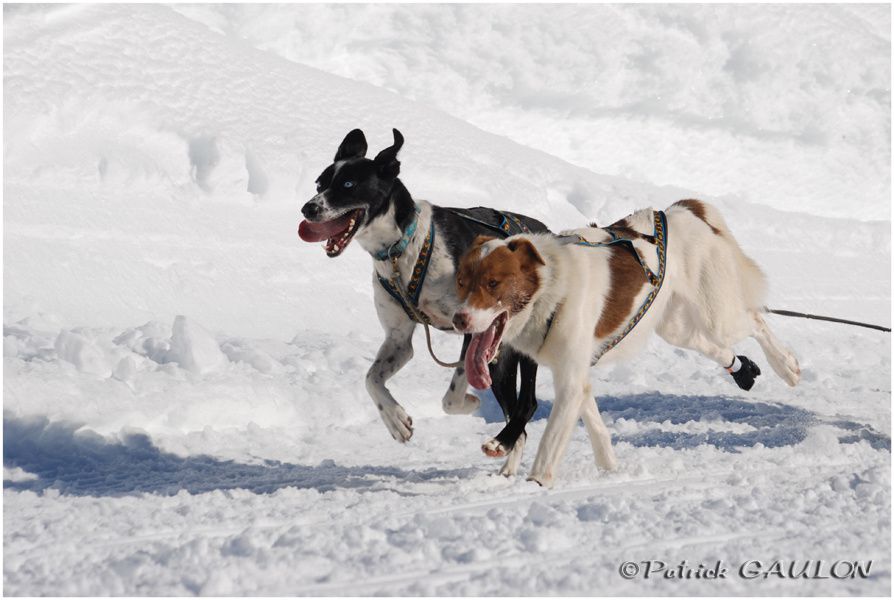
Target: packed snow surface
{"x": 184, "y": 406}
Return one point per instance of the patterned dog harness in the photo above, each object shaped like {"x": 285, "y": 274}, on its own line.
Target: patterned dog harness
{"x": 509, "y": 224}
{"x": 408, "y": 297}
{"x": 659, "y": 239}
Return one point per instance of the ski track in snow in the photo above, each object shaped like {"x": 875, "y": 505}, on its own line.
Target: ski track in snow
{"x": 184, "y": 407}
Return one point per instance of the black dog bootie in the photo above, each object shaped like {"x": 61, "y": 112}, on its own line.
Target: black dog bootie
{"x": 747, "y": 372}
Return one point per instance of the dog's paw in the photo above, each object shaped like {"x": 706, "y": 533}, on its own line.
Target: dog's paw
{"x": 793, "y": 371}
{"x": 789, "y": 370}
{"x": 513, "y": 458}
{"x": 509, "y": 468}
{"x": 607, "y": 463}
{"x": 494, "y": 449}
{"x": 470, "y": 404}
{"x": 398, "y": 422}
{"x": 544, "y": 480}
{"x": 465, "y": 405}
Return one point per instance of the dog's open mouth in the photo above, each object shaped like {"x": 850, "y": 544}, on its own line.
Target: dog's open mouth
{"x": 482, "y": 350}
{"x": 338, "y": 232}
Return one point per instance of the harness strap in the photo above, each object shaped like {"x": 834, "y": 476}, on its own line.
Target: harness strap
{"x": 409, "y": 302}
{"x": 626, "y": 244}
{"x": 408, "y": 297}
{"x": 392, "y": 291}
{"x": 398, "y": 247}
{"x": 549, "y": 323}
{"x": 659, "y": 239}
{"x": 509, "y": 223}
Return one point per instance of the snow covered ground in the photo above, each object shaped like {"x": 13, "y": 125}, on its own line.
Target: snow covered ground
{"x": 184, "y": 409}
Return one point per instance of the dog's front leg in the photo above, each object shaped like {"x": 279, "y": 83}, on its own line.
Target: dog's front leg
{"x": 456, "y": 401}
{"x": 600, "y": 437}
{"x": 396, "y": 351}
{"x": 571, "y": 384}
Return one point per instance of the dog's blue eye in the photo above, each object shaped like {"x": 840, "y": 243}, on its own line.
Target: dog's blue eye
{"x": 349, "y": 184}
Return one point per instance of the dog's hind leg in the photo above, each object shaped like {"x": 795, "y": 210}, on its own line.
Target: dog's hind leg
{"x": 510, "y": 442}
{"x": 513, "y": 458}
{"x": 742, "y": 369}
{"x": 518, "y": 408}
{"x": 682, "y": 328}
{"x": 600, "y": 438}
{"x": 504, "y": 375}
{"x": 781, "y": 359}
{"x": 457, "y": 401}
{"x": 513, "y": 436}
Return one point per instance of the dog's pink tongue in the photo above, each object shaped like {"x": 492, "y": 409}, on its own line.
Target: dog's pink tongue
{"x": 317, "y": 232}
{"x": 476, "y": 358}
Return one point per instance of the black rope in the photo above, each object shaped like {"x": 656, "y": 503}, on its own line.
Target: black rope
{"x": 791, "y": 313}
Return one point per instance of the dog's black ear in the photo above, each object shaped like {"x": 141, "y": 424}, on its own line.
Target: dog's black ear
{"x": 353, "y": 146}
{"x": 386, "y": 160}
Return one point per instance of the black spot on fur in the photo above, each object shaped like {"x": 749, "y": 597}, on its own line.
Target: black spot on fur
{"x": 457, "y": 232}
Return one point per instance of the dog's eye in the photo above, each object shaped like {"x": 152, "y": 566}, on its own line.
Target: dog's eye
{"x": 492, "y": 284}
{"x": 319, "y": 187}
{"x": 460, "y": 282}
{"x": 349, "y": 184}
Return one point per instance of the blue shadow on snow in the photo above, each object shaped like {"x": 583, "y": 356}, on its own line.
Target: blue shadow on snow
{"x": 774, "y": 425}
{"x": 86, "y": 464}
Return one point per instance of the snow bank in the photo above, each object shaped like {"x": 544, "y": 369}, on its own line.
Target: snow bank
{"x": 82, "y": 353}
{"x": 787, "y": 106}
{"x": 156, "y": 155}
{"x": 194, "y": 348}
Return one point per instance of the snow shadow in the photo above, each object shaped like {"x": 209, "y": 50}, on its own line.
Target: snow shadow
{"x": 83, "y": 463}
{"x": 773, "y": 425}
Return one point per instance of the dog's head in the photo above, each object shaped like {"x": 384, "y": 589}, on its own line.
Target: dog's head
{"x": 495, "y": 281}
{"x": 351, "y": 192}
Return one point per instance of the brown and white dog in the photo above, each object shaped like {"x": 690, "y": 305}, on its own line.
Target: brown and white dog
{"x": 561, "y": 302}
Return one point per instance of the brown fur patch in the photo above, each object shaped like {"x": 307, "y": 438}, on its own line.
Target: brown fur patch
{"x": 622, "y": 228}
{"x": 507, "y": 275}
{"x": 697, "y": 208}
{"x": 627, "y": 279}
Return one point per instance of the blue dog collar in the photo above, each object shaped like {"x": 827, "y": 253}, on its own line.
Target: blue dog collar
{"x": 397, "y": 248}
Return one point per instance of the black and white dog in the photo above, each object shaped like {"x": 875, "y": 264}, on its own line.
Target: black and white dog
{"x": 363, "y": 199}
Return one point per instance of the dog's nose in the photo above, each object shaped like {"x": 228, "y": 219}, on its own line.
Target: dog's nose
{"x": 460, "y": 321}
{"x": 311, "y": 210}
